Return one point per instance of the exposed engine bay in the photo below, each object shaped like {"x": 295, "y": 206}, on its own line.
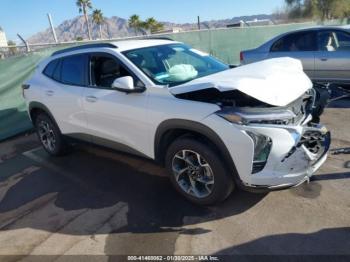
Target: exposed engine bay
{"x": 312, "y": 102}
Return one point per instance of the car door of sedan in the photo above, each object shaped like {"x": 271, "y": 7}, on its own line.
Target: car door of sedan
{"x": 114, "y": 118}
{"x": 300, "y": 45}
{"x": 332, "y": 63}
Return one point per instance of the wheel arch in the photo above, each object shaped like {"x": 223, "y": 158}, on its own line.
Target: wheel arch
{"x": 35, "y": 108}
{"x": 170, "y": 130}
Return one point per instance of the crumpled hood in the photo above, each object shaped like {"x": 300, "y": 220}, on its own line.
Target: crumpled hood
{"x": 277, "y": 81}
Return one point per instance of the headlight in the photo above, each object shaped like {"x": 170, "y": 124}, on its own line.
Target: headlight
{"x": 262, "y": 148}
{"x": 272, "y": 117}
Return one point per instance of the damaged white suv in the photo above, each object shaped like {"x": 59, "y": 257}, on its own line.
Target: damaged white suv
{"x": 213, "y": 127}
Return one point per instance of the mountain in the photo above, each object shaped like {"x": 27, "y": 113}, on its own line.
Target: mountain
{"x": 115, "y": 27}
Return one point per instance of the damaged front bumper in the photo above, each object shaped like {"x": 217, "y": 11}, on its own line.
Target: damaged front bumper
{"x": 296, "y": 166}
{"x": 296, "y": 152}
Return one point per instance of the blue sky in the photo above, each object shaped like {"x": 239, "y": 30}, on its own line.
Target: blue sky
{"x": 29, "y": 16}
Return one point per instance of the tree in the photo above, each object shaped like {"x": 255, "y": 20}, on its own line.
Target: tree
{"x": 135, "y": 23}
{"x": 84, "y": 5}
{"x": 324, "y": 9}
{"x": 97, "y": 18}
{"x": 153, "y": 25}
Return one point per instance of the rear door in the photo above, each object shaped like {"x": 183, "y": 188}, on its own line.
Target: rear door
{"x": 115, "y": 119}
{"x": 300, "y": 45}
{"x": 332, "y": 62}
{"x": 62, "y": 92}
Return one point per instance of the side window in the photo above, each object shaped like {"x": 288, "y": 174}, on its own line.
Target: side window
{"x": 50, "y": 68}
{"x": 57, "y": 73}
{"x": 342, "y": 41}
{"x": 327, "y": 41}
{"x": 296, "y": 42}
{"x": 73, "y": 70}
{"x": 105, "y": 69}
{"x": 278, "y": 46}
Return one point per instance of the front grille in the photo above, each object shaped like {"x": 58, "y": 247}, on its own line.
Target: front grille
{"x": 302, "y": 107}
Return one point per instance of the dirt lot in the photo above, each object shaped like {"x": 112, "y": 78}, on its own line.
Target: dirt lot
{"x": 99, "y": 202}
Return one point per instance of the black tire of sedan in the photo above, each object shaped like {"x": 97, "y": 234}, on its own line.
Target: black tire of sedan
{"x": 49, "y": 135}
{"x": 197, "y": 172}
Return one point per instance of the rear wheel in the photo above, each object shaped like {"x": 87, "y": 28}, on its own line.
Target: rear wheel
{"x": 197, "y": 172}
{"x": 49, "y": 135}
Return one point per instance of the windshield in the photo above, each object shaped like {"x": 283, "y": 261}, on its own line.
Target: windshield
{"x": 174, "y": 64}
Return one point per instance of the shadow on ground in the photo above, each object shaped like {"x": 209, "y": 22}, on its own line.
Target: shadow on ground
{"x": 86, "y": 181}
{"x": 325, "y": 242}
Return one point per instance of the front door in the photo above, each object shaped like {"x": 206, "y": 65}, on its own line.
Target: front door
{"x": 114, "y": 118}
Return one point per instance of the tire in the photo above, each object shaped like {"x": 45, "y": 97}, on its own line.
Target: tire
{"x": 49, "y": 135}
{"x": 212, "y": 182}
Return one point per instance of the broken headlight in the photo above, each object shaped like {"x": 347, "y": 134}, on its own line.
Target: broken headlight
{"x": 272, "y": 117}
{"x": 262, "y": 149}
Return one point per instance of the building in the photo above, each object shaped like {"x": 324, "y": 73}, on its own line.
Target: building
{"x": 3, "y": 39}
{"x": 255, "y": 22}
{"x": 170, "y": 30}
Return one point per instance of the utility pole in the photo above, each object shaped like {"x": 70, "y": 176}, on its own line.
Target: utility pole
{"x": 25, "y": 42}
{"x": 199, "y": 22}
{"x": 52, "y": 28}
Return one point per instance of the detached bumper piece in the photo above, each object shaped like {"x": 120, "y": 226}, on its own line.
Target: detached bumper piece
{"x": 315, "y": 141}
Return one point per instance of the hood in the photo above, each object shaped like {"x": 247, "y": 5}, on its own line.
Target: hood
{"x": 277, "y": 81}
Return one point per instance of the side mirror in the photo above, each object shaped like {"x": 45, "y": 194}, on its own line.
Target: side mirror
{"x": 124, "y": 84}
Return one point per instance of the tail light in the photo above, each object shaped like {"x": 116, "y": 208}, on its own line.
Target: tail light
{"x": 241, "y": 56}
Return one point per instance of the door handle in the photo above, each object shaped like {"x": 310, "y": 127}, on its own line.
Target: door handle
{"x": 91, "y": 99}
{"x": 324, "y": 59}
{"x": 50, "y": 93}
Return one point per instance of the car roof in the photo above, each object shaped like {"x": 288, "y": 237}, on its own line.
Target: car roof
{"x": 265, "y": 46}
{"x": 118, "y": 46}
{"x": 317, "y": 28}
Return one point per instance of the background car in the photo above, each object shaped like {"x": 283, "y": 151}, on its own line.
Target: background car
{"x": 323, "y": 51}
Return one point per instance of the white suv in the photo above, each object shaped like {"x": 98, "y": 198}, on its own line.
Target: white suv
{"x": 212, "y": 126}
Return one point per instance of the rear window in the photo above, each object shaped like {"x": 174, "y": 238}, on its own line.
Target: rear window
{"x": 69, "y": 70}
{"x": 73, "y": 70}
{"x": 50, "y": 68}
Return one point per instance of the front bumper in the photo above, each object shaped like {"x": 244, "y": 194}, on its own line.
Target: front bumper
{"x": 297, "y": 166}
{"x": 294, "y": 180}
{"x": 291, "y": 161}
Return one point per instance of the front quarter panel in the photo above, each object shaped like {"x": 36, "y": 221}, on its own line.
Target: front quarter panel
{"x": 164, "y": 106}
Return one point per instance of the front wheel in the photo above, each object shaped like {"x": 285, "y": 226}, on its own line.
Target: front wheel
{"x": 197, "y": 172}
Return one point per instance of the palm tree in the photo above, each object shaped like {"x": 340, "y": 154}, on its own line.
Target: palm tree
{"x": 84, "y": 5}
{"x": 135, "y": 22}
{"x": 97, "y": 18}
{"x": 153, "y": 25}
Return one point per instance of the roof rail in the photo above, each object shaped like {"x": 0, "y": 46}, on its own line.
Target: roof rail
{"x": 81, "y": 47}
{"x": 156, "y": 38}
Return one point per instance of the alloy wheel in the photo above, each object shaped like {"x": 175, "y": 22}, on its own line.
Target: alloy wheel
{"x": 193, "y": 173}
{"x": 47, "y": 136}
